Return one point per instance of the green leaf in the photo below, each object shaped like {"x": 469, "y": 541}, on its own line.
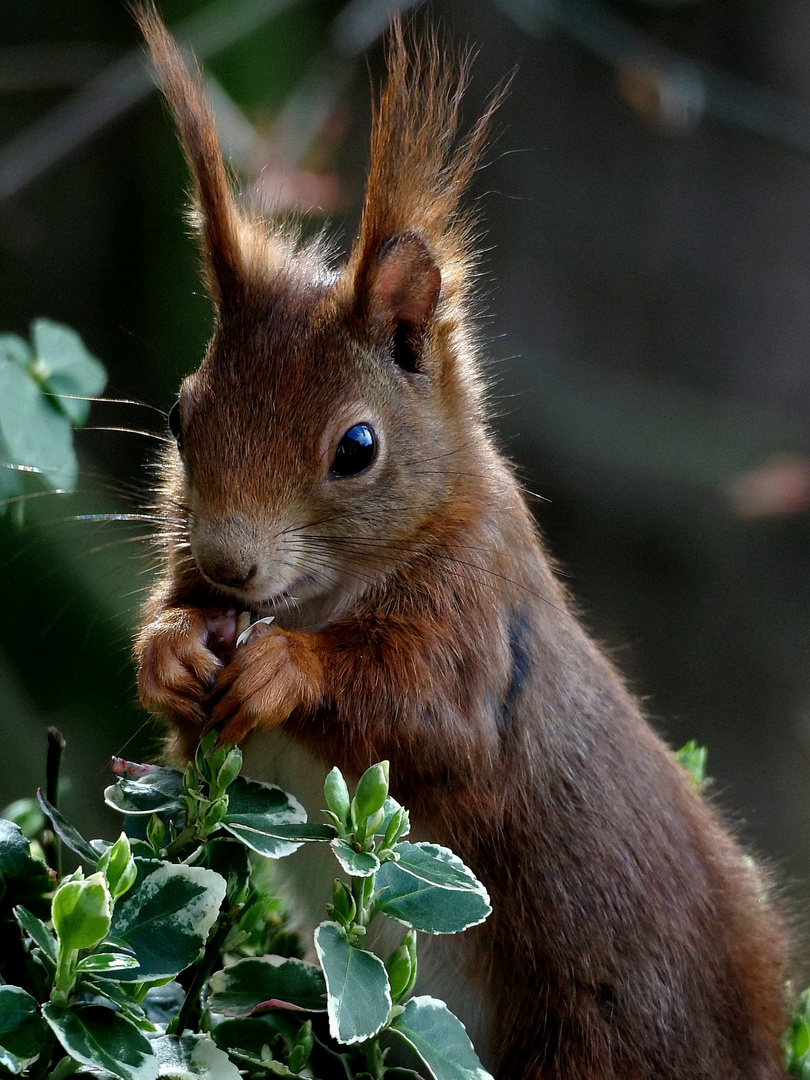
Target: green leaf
{"x": 10, "y": 481}
{"x": 260, "y": 983}
{"x": 81, "y": 912}
{"x": 23, "y": 879}
{"x": 27, "y": 814}
{"x": 103, "y": 1039}
{"x": 440, "y": 1040}
{"x": 426, "y": 907}
{"x": 120, "y": 994}
{"x": 69, "y": 836}
{"x": 103, "y": 962}
{"x": 118, "y": 866}
{"x": 250, "y": 1042}
{"x": 692, "y": 757}
{"x": 437, "y": 865}
{"x": 395, "y": 823}
{"x": 15, "y": 850}
{"x": 21, "y": 1029}
{"x": 166, "y": 917}
{"x": 144, "y": 789}
{"x": 15, "y": 349}
{"x": 355, "y": 863}
{"x": 248, "y": 1039}
{"x": 359, "y": 998}
{"x": 268, "y": 820}
{"x": 800, "y": 1043}
{"x": 193, "y": 1055}
{"x": 230, "y": 860}
{"x": 65, "y": 367}
{"x": 34, "y": 430}
{"x": 278, "y": 841}
{"x": 37, "y": 931}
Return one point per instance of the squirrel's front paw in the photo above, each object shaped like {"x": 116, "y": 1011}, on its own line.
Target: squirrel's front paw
{"x": 268, "y": 678}
{"x": 178, "y": 660}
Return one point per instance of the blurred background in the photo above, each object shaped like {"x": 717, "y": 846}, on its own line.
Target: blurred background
{"x": 647, "y": 287}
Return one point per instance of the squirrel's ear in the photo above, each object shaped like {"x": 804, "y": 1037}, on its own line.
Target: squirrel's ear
{"x": 399, "y": 292}
{"x": 216, "y": 214}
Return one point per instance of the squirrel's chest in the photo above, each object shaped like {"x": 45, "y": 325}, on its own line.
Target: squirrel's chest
{"x": 306, "y": 878}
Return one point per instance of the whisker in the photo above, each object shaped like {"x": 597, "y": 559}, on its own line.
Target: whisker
{"x": 12, "y": 499}
{"x": 343, "y": 516}
{"x": 148, "y": 722}
{"x": 366, "y": 549}
{"x": 110, "y": 401}
{"x": 98, "y": 479}
{"x": 441, "y": 457}
{"x": 154, "y": 518}
{"x": 122, "y": 540}
{"x": 13, "y": 466}
{"x": 129, "y": 431}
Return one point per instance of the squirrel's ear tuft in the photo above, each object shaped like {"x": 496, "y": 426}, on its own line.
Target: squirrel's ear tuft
{"x": 399, "y": 292}
{"x": 216, "y": 215}
{"x": 414, "y": 232}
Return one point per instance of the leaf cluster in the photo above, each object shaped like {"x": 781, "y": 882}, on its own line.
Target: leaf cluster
{"x": 44, "y": 392}
{"x": 149, "y": 959}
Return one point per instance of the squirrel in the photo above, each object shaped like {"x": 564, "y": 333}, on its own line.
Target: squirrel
{"x": 334, "y": 469}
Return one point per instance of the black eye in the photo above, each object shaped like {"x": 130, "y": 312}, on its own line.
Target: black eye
{"x": 355, "y": 451}
{"x": 174, "y": 424}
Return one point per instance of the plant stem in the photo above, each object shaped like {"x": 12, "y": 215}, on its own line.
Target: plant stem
{"x": 183, "y": 840}
{"x": 204, "y": 969}
{"x": 64, "y": 978}
{"x": 53, "y": 764}
{"x": 375, "y": 1059}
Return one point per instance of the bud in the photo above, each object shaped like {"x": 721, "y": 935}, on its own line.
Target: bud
{"x": 343, "y": 905}
{"x": 302, "y": 1048}
{"x": 81, "y": 912}
{"x": 155, "y": 831}
{"x": 401, "y": 967}
{"x": 118, "y": 866}
{"x": 337, "y": 796}
{"x": 215, "y": 813}
{"x": 397, "y": 828}
{"x": 372, "y": 791}
{"x": 191, "y": 781}
{"x": 230, "y": 769}
{"x": 206, "y": 745}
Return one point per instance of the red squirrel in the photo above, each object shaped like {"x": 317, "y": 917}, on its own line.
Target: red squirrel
{"x": 334, "y": 469}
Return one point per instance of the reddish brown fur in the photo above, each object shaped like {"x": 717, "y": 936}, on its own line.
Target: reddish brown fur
{"x": 630, "y": 939}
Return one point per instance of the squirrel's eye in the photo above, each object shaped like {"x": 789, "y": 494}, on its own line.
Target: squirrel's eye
{"x": 355, "y": 451}
{"x": 174, "y": 424}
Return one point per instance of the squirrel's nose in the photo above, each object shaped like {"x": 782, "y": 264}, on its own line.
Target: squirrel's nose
{"x": 228, "y": 571}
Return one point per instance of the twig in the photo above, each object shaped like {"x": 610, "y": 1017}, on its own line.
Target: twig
{"x": 53, "y": 765}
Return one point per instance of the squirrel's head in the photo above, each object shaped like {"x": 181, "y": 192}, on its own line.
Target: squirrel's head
{"x": 335, "y": 407}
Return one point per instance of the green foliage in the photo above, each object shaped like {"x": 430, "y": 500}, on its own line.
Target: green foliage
{"x": 693, "y": 758}
{"x": 98, "y": 952}
{"x": 43, "y": 390}
{"x": 797, "y": 1039}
